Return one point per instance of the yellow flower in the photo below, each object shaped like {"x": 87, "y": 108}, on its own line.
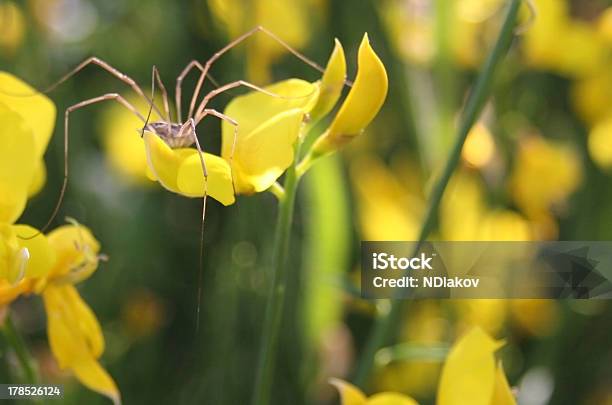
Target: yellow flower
{"x": 351, "y": 395}
{"x": 37, "y": 113}
{"x": 57, "y": 261}
{"x": 363, "y": 102}
{"x": 545, "y": 173}
{"x": 470, "y": 374}
{"x": 291, "y": 17}
{"x": 592, "y": 96}
{"x": 583, "y": 50}
{"x": 268, "y": 128}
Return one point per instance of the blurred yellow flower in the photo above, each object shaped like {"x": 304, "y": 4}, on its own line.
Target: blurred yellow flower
{"x": 12, "y": 27}
{"x": 121, "y": 141}
{"x": 536, "y": 317}
{"x": 291, "y": 17}
{"x": 592, "y": 96}
{"x": 600, "y": 143}
{"x": 351, "y": 395}
{"x": 363, "y": 102}
{"x": 386, "y": 209}
{"x": 470, "y": 374}
{"x": 479, "y": 146}
{"x": 28, "y": 119}
{"x": 465, "y": 215}
{"x": 67, "y": 255}
{"x": 545, "y": 173}
{"x": 583, "y": 51}
{"x": 605, "y": 25}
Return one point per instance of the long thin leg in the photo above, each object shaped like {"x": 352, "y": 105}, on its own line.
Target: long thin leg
{"x": 232, "y": 44}
{"x": 109, "y": 96}
{"x": 179, "y": 84}
{"x": 115, "y": 72}
{"x": 233, "y": 85}
{"x": 158, "y": 79}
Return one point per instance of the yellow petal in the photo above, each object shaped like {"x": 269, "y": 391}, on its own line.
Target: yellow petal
{"x": 13, "y": 257}
{"x": 75, "y": 248}
{"x": 362, "y": 103}
{"x": 331, "y": 83}
{"x": 39, "y": 178}
{"x": 36, "y": 109}
{"x": 163, "y": 161}
{"x": 41, "y": 255}
{"x": 17, "y": 163}
{"x": 600, "y": 143}
{"x": 502, "y": 394}
{"x": 391, "y": 398}
{"x": 191, "y": 182}
{"x": 349, "y": 394}
{"x": 468, "y": 376}
{"x": 76, "y": 338}
{"x": 263, "y": 155}
{"x": 254, "y": 108}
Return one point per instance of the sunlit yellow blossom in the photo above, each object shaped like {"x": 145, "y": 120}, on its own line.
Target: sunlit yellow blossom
{"x": 37, "y": 113}
{"x": 268, "y": 129}
{"x": 351, "y": 395}
{"x": 600, "y": 143}
{"x": 65, "y": 256}
{"x": 470, "y": 374}
{"x": 363, "y": 102}
{"x": 545, "y": 173}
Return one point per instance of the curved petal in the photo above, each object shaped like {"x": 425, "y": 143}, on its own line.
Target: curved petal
{"x": 41, "y": 255}
{"x": 362, "y": 103}
{"x": 36, "y": 109}
{"x": 76, "y": 338}
{"x": 264, "y": 154}
{"x": 39, "y": 178}
{"x": 190, "y": 178}
{"x": 17, "y": 163}
{"x": 349, "y": 394}
{"x": 253, "y": 109}
{"x": 163, "y": 161}
{"x": 13, "y": 258}
{"x": 75, "y": 248}
{"x": 468, "y": 376}
{"x": 331, "y": 83}
{"x": 391, "y": 398}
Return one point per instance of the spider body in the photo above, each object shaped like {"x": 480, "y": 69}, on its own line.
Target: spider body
{"x": 175, "y": 135}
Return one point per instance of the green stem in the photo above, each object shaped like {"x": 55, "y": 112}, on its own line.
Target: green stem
{"x": 276, "y": 299}
{"x": 385, "y": 325}
{"x": 14, "y": 339}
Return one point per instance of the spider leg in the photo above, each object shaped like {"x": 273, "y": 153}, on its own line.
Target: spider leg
{"x": 179, "y": 84}
{"x": 232, "y": 85}
{"x": 232, "y": 44}
{"x": 113, "y": 71}
{"x": 69, "y": 110}
{"x": 157, "y": 78}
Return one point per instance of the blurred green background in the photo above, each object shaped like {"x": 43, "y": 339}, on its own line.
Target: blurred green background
{"x": 537, "y": 166}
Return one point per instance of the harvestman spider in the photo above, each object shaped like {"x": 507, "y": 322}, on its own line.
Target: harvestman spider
{"x": 177, "y": 133}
